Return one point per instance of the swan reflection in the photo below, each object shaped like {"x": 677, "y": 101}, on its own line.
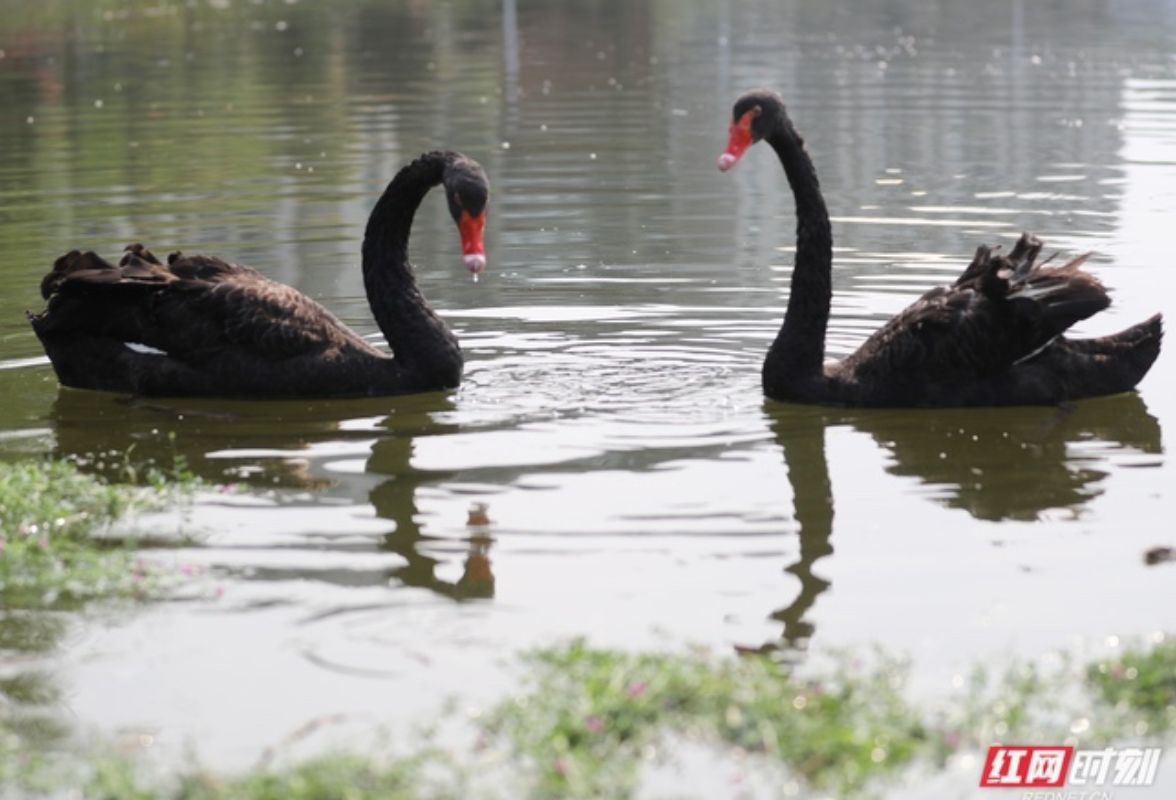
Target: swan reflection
{"x": 303, "y": 450}
{"x": 995, "y": 464}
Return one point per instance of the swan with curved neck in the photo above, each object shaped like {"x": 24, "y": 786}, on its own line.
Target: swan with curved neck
{"x": 201, "y": 326}
{"x": 993, "y": 338}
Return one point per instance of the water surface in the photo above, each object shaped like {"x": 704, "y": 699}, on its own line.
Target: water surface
{"x": 638, "y": 488}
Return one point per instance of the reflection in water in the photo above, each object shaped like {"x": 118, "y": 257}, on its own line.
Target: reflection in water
{"x": 396, "y": 499}
{"x": 265, "y": 443}
{"x": 1014, "y": 464}
{"x": 28, "y": 686}
{"x": 800, "y": 431}
{"x": 614, "y": 351}
{"x": 996, "y": 464}
{"x": 283, "y": 445}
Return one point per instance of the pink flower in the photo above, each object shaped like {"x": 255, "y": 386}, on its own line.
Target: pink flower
{"x": 636, "y": 689}
{"x": 595, "y": 725}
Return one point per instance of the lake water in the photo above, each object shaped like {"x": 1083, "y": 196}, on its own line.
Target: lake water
{"x": 639, "y": 490}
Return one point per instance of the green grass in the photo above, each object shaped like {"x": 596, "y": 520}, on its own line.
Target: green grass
{"x": 592, "y": 715}
{"x": 1140, "y": 685}
{"x": 57, "y": 554}
{"x": 53, "y": 553}
{"x": 337, "y": 776}
{"x": 590, "y": 722}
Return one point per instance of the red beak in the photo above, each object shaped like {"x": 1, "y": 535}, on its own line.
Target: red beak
{"x": 740, "y": 139}
{"x": 473, "y": 251}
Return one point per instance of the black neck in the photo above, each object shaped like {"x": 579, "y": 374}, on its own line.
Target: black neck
{"x": 418, "y": 337}
{"x": 798, "y": 352}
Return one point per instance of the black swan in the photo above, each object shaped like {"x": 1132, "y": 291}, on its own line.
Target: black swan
{"x": 993, "y": 338}
{"x": 200, "y": 326}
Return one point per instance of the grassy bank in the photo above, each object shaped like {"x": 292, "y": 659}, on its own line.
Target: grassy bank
{"x": 596, "y": 722}
{"x": 57, "y": 547}
{"x": 587, "y": 721}
{"x": 66, "y": 541}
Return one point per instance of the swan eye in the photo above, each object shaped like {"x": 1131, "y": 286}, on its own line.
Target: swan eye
{"x": 749, "y": 117}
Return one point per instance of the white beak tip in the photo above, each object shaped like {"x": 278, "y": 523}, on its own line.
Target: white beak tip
{"x": 475, "y": 262}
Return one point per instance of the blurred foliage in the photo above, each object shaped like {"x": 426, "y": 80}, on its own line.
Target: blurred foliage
{"x": 51, "y": 515}
{"x": 1140, "y": 683}
{"x": 58, "y": 553}
{"x": 591, "y": 716}
{"x": 592, "y": 722}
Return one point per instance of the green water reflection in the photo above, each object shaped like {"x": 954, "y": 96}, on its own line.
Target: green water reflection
{"x": 995, "y": 464}
{"x": 611, "y": 415}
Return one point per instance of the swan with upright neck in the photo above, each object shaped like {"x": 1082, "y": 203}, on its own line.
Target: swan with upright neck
{"x": 993, "y": 338}
{"x": 201, "y": 326}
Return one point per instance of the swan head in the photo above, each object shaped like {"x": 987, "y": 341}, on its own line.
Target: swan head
{"x": 467, "y": 191}
{"x": 755, "y": 114}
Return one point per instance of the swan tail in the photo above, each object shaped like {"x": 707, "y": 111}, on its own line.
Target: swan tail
{"x": 1062, "y": 296}
{"x": 1105, "y": 365}
{"x": 1047, "y": 298}
{"x": 91, "y": 268}
{"x": 1138, "y": 347}
{"x": 1004, "y": 311}
{"x": 88, "y": 294}
{"x": 192, "y": 308}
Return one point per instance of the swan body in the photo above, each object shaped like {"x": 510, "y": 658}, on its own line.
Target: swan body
{"x": 995, "y": 337}
{"x": 201, "y": 326}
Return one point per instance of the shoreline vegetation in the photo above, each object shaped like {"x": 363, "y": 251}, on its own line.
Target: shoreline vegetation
{"x": 64, "y": 533}
{"x": 590, "y": 722}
